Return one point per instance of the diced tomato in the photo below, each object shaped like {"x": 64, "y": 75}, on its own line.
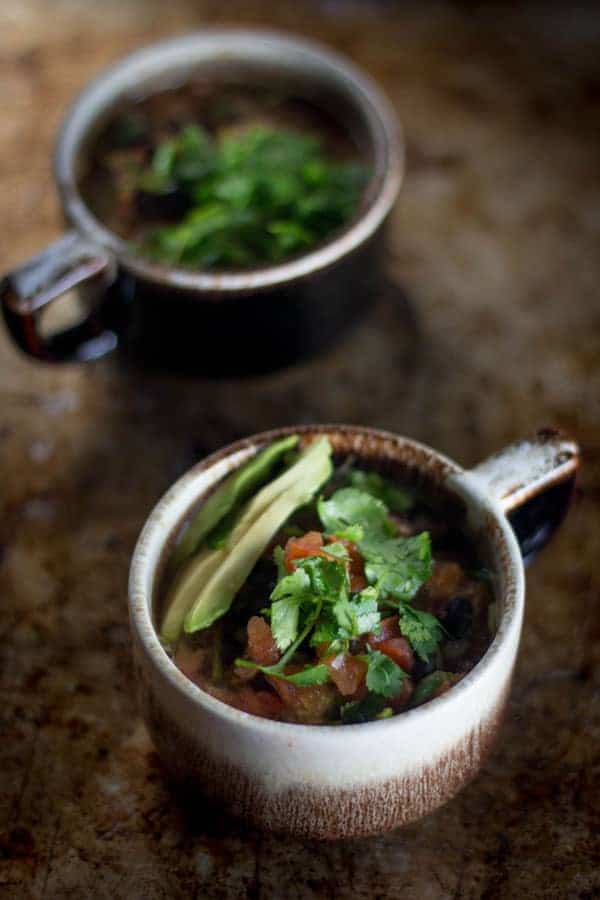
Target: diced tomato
{"x": 310, "y": 544}
{"x": 347, "y": 672}
{"x": 311, "y": 704}
{"x": 260, "y": 703}
{"x": 189, "y": 659}
{"x": 262, "y": 648}
{"x": 388, "y": 628}
{"x": 401, "y": 701}
{"x": 445, "y": 580}
{"x": 356, "y": 568}
{"x": 400, "y": 651}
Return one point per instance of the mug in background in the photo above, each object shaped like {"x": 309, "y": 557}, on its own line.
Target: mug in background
{"x": 230, "y": 322}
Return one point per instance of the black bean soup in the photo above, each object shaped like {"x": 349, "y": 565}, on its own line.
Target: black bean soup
{"x": 367, "y": 600}
{"x": 223, "y": 176}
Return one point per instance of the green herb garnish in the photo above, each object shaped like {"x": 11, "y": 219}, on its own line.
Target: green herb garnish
{"x": 384, "y": 676}
{"x": 255, "y": 197}
{"x": 399, "y": 500}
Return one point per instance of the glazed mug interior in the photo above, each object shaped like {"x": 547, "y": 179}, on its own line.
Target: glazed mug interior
{"x": 314, "y": 781}
{"x": 149, "y": 309}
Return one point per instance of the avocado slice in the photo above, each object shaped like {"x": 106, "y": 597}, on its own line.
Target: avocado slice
{"x": 186, "y": 586}
{"x": 258, "y": 524}
{"x": 232, "y": 491}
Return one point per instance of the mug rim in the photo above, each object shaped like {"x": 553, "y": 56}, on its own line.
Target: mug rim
{"x": 146, "y": 561}
{"x": 376, "y": 111}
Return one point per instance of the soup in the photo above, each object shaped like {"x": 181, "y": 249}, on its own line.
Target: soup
{"x": 320, "y": 593}
{"x": 223, "y": 177}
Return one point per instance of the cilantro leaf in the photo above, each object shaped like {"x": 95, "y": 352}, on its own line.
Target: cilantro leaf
{"x": 384, "y": 676}
{"x": 357, "y": 616}
{"x": 328, "y": 578}
{"x": 397, "y": 499}
{"x": 288, "y": 596}
{"x": 397, "y": 567}
{"x": 350, "y": 507}
{"x": 422, "y": 630}
{"x": 318, "y": 674}
{"x": 326, "y": 630}
{"x": 279, "y": 560}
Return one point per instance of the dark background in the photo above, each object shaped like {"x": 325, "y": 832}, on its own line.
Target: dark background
{"x": 494, "y": 241}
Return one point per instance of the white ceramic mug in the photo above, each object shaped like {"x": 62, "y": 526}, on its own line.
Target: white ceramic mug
{"x": 342, "y": 781}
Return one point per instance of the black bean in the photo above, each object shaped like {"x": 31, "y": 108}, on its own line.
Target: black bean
{"x": 457, "y": 617}
{"x": 422, "y": 668}
{"x": 168, "y": 206}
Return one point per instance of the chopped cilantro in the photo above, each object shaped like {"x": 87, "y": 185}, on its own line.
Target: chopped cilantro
{"x": 318, "y": 674}
{"x": 422, "y": 630}
{"x": 348, "y": 508}
{"x": 253, "y": 197}
{"x": 357, "y": 616}
{"x": 399, "y": 500}
{"x": 287, "y": 597}
{"x": 398, "y": 567}
{"x": 384, "y": 676}
{"x": 328, "y": 578}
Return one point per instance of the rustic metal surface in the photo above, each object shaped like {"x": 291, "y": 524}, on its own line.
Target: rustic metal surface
{"x": 495, "y": 241}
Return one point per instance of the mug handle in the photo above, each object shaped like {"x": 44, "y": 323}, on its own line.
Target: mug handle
{"x": 533, "y": 481}
{"x": 25, "y": 292}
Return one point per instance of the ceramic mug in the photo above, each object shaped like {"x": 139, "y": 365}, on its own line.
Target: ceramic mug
{"x": 336, "y": 781}
{"x": 211, "y": 322}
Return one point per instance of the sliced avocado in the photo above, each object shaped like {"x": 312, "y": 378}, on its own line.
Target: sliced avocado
{"x": 185, "y": 589}
{"x": 232, "y": 491}
{"x": 258, "y": 524}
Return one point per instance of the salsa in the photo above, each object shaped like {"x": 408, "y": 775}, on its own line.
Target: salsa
{"x": 222, "y": 177}
{"x": 320, "y": 593}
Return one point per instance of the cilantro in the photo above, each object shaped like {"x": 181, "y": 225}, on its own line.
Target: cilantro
{"x": 384, "y": 676}
{"x": 328, "y": 578}
{"x": 287, "y": 597}
{"x": 397, "y": 567}
{"x": 326, "y": 630}
{"x": 318, "y": 674}
{"x": 397, "y": 499}
{"x": 350, "y": 507}
{"x": 254, "y": 197}
{"x": 337, "y": 549}
{"x": 279, "y": 560}
{"x": 423, "y": 631}
{"x": 357, "y": 616}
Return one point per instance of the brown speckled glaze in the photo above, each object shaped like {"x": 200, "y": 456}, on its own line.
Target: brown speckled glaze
{"x": 416, "y": 761}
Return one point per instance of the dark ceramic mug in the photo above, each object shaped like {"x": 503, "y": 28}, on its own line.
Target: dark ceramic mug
{"x": 222, "y": 321}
